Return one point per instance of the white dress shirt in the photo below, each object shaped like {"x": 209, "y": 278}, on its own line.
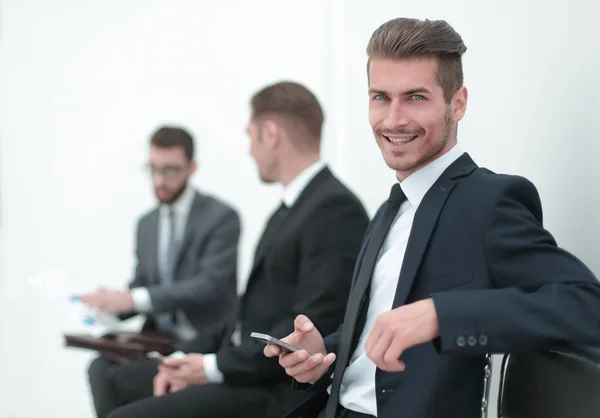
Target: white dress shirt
{"x": 141, "y": 296}
{"x": 358, "y": 384}
{"x": 290, "y": 195}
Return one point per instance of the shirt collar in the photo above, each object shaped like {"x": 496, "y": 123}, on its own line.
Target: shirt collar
{"x": 292, "y": 191}
{"x": 418, "y": 183}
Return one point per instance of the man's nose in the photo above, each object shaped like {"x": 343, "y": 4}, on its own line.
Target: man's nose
{"x": 396, "y": 116}
{"x": 158, "y": 180}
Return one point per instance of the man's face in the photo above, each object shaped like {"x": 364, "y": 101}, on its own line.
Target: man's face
{"x": 170, "y": 172}
{"x": 262, "y": 151}
{"x": 410, "y": 119}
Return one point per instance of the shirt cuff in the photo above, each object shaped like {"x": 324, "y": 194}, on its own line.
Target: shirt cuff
{"x": 141, "y": 299}
{"x": 211, "y": 369}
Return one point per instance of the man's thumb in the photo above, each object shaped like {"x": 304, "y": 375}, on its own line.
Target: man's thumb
{"x": 174, "y": 361}
{"x": 303, "y": 324}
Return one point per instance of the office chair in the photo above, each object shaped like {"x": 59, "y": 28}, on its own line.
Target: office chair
{"x": 557, "y": 383}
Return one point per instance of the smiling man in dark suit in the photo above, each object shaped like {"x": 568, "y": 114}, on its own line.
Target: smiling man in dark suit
{"x": 456, "y": 264}
{"x": 303, "y": 263}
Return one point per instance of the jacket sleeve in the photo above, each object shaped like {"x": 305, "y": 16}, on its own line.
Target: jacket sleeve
{"x": 542, "y": 294}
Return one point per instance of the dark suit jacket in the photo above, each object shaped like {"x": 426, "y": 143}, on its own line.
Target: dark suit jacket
{"x": 499, "y": 283}
{"x": 206, "y": 266}
{"x": 306, "y": 268}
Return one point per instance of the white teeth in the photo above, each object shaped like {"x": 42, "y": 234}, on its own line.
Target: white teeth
{"x": 400, "y": 140}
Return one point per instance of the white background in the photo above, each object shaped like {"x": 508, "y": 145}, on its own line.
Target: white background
{"x": 84, "y": 83}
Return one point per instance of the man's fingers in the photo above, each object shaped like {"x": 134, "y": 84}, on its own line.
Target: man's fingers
{"x": 316, "y": 372}
{"x": 392, "y": 366}
{"x": 297, "y": 368}
{"x": 391, "y": 357}
{"x": 174, "y": 362}
{"x": 315, "y": 365}
{"x": 290, "y": 360}
{"x": 271, "y": 350}
{"x": 161, "y": 385}
{"x": 378, "y": 347}
{"x": 93, "y": 300}
{"x": 181, "y": 375}
{"x": 373, "y": 336}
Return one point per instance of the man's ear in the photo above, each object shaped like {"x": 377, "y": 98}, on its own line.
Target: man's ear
{"x": 459, "y": 103}
{"x": 193, "y": 167}
{"x": 271, "y": 133}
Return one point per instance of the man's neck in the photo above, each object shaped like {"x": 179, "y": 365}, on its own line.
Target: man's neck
{"x": 291, "y": 169}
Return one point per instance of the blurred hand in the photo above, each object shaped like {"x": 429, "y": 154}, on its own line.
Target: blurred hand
{"x": 183, "y": 372}
{"x": 399, "y": 329}
{"x": 161, "y": 384}
{"x": 112, "y": 301}
{"x": 308, "y": 364}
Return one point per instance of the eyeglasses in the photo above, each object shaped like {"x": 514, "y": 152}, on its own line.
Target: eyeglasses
{"x": 166, "y": 172}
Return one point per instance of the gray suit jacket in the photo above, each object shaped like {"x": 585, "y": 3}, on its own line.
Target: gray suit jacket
{"x": 206, "y": 267}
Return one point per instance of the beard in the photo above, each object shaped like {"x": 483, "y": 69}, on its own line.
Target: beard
{"x": 430, "y": 154}
{"x": 176, "y": 195}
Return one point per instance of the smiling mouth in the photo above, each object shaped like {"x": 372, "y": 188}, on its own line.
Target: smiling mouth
{"x": 401, "y": 140}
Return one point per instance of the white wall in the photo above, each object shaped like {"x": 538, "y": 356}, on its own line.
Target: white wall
{"x": 83, "y": 83}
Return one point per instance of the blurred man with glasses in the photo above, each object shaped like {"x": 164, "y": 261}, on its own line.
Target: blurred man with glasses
{"x": 185, "y": 278}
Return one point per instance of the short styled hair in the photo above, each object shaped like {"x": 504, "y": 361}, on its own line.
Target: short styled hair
{"x": 174, "y": 136}
{"x": 404, "y": 38}
{"x": 291, "y": 104}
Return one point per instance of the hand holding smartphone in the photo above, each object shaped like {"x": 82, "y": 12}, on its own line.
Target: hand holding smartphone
{"x": 155, "y": 355}
{"x": 267, "y": 339}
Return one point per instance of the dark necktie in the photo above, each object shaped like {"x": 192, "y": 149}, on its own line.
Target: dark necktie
{"x": 359, "y": 295}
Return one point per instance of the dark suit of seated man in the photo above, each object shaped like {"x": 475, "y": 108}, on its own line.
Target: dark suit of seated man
{"x": 303, "y": 263}
{"x": 455, "y": 265}
{"x": 185, "y": 280}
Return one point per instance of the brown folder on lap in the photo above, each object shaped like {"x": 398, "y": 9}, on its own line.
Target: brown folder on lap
{"x": 124, "y": 347}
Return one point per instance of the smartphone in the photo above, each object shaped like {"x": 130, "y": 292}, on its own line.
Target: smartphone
{"x": 267, "y": 339}
{"x": 155, "y": 355}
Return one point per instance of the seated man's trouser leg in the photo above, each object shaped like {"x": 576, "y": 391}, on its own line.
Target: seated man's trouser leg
{"x": 113, "y": 385}
{"x": 212, "y": 400}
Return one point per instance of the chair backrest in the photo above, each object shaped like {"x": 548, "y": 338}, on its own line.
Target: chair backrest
{"x": 558, "y": 383}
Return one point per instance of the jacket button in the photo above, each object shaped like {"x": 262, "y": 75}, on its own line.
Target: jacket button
{"x": 472, "y": 341}
{"x": 460, "y": 341}
{"x": 483, "y": 339}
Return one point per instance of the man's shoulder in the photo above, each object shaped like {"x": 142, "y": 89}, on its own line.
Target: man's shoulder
{"x": 149, "y": 216}
{"x": 485, "y": 182}
{"x": 332, "y": 190}
{"x": 484, "y": 190}
{"x": 209, "y": 203}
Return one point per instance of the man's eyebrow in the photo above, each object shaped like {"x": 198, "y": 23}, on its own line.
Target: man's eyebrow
{"x": 418, "y": 90}
{"x": 378, "y": 91}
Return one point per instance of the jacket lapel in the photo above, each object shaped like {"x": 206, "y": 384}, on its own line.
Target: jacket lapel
{"x": 425, "y": 221}
{"x": 311, "y": 187}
